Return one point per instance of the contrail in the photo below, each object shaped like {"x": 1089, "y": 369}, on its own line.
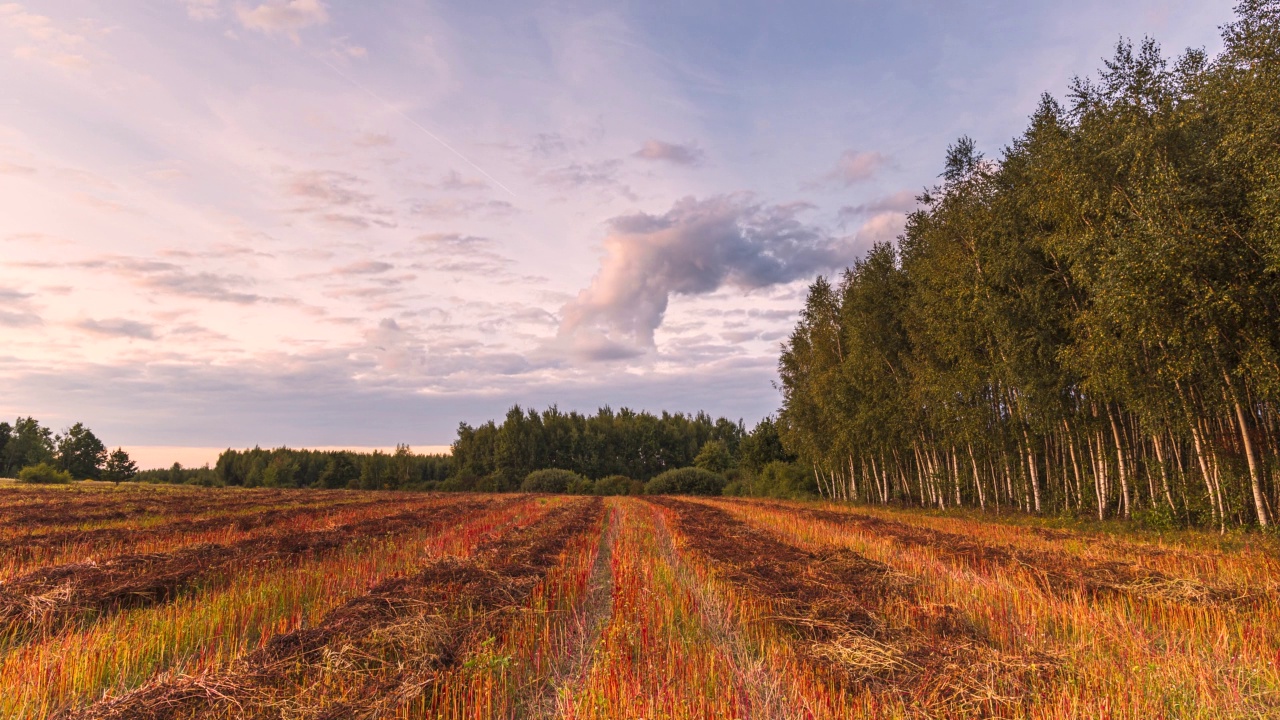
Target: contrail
{"x": 416, "y": 124}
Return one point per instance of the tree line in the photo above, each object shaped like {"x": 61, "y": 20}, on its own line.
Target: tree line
{"x": 1089, "y": 324}
{"x": 31, "y": 452}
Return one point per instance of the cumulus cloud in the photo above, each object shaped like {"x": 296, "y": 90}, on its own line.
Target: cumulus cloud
{"x": 118, "y": 327}
{"x": 689, "y": 154}
{"x": 695, "y": 248}
{"x": 852, "y": 168}
{"x": 283, "y": 16}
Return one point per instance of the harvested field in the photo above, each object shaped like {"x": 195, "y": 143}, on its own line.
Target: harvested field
{"x": 274, "y": 604}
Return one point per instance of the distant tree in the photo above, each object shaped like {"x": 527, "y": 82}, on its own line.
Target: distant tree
{"x": 29, "y": 444}
{"x": 6, "y": 430}
{"x": 43, "y": 474}
{"x": 80, "y": 452}
{"x": 339, "y": 471}
{"x": 714, "y": 457}
{"x": 119, "y": 467}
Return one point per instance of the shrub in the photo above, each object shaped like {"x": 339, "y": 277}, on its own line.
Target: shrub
{"x": 580, "y": 486}
{"x": 43, "y": 474}
{"x": 551, "y": 480}
{"x": 685, "y": 481}
{"x": 613, "y": 485}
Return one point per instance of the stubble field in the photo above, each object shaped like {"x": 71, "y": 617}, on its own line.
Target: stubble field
{"x": 158, "y": 602}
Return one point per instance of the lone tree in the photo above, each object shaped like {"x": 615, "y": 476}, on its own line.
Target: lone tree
{"x": 81, "y": 453}
{"x": 119, "y": 467}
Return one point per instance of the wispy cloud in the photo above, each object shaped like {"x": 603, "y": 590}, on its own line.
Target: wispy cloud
{"x": 689, "y": 154}
{"x": 119, "y": 327}
{"x": 283, "y": 16}
{"x": 46, "y": 42}
{"x": 851, "y": 168}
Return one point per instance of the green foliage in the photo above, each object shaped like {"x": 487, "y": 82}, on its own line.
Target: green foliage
{"x": 638, "y": 445}
{"x": 713, "y": 457}
{"x": 27, "y": 443}
{"x": 80, "y": 452}
{"x": 1087, "y": 324}
{"x": 43, "y": 474}
{"x": 614, "y": 485}
{"x": 287, "y": 467}
{"x": 554, "y": 480}
{"x": 119, "y": 467}
{"x": 778, "y": 480}
{"x": 686, "y": 481}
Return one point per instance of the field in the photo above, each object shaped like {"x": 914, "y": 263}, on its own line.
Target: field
{"x": 170, "y": 602}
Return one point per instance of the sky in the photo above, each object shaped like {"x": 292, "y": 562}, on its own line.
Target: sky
{"x": 228, "y": 223}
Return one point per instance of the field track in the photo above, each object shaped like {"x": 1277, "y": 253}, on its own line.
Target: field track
{"x": 189, "y": 603}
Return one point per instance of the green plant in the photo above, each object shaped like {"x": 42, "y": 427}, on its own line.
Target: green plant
{"x": 686, "y": 481}
{"x": 43, "y": 474}
{"x": 551, "y": 480}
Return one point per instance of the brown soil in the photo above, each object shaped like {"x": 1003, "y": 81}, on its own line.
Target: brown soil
{"x": 1055, "y": 572}
{"x": 25, "y": 547}
{"x": 47, "y": 599}
{"x": 379, "y": 650}
{"x": 832, "y": 604}
{"x": 79, "y": 509}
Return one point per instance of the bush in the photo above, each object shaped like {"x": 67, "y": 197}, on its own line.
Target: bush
{"x": 580, "y": 486}
{"x": 686, "y": 481}
{"x": 613, "y": 485}
{"x": 551, "y": 480}
{"x": 776, "y": 479}
{"x": 43, "y": 474}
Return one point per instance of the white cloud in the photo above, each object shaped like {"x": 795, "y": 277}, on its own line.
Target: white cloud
{"x": 693, "y": 249}
{"x": 851, "y": 168}
{"x": 203, "y": 9}
{"x": 48, "y": 43}
{"x": 283, "y": 16}
{"x": 687, "y": 154}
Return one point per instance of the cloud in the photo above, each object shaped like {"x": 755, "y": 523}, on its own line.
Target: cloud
{"x": 695, "y": 248}
{"x": 903, "y": 201}
{"x": 283, "y": 16}
{"x": 852, "y": 168}
{"x": 19, "y": 319}
{"x": 48, "y": 43}
{"x": 364, "y": 267}
{"x": 328, "y": 188}
{"x": 881, "y": 228}
{"x": 119, "y": 327}
{"x": 203, "y": 9}
{"x": 168, "y": 277}
{"x": 11, "y": 169}
{"x": 679, "y": 154}
{"x": 371, "y": 139}
{"x": 448, "y": 252}
{"x": 459, "y": 207}
{"x": 576, "y": 175}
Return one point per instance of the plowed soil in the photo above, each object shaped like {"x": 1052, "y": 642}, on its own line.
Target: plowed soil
{"x": 832, "y": 603}
{"x": 46, "y": 600}
{"x": 378, "y": 650}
